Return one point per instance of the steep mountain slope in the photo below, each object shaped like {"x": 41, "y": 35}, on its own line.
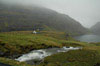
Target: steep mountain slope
{"x": 15, "y": 18}
{"x": 96, "y": 28}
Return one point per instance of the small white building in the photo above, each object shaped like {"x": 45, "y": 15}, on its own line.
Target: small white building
{"x": 34, "y": 32}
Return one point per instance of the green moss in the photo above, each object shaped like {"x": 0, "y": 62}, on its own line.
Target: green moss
{"x": 24, "y": 41}
{"x": 20, "y": 42}
{"x": 54, "y": 34}
{"x": 12, "y": 62}
{"x": 73, "y": 58}
{"x": 73, "y": 43}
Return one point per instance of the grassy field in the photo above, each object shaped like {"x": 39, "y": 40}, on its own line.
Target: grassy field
{"x": 24, "y": 41}
{"x": 73, "y": 58}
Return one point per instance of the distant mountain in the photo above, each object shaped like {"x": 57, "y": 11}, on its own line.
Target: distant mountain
{"x": 17, "y": 18}
{"x": 96, "y": 28}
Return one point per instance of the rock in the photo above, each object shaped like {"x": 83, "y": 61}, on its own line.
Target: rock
{"x": 1, "y": 53}
{"x": 34, "y": 62}
{"x": 98, "y": 64}
{"x": 1, "y": 64}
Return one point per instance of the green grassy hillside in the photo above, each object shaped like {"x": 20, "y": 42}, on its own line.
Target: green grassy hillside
{"x": 18, "y": 18}
{"x": 24, "y": 41}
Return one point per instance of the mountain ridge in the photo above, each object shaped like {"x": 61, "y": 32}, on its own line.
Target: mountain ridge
{"x": 96, "y": 28}
{"x": 15, "y": 18}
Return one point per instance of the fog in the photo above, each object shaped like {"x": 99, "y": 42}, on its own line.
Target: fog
{"x": 84, "y": 11}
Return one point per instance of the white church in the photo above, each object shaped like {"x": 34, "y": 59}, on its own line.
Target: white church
{"x": 34, "y": 32}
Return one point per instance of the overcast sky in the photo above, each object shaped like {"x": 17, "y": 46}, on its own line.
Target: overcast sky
{"x": 87, "y": 12}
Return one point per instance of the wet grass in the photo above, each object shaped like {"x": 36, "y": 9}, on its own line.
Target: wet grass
{"x": 20, "y": 41}
{"x": 24, "y": 41}
{"x": 73, "y": 58}
{"x": 13, "y": 62}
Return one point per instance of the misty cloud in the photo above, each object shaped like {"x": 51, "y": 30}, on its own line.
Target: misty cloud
{"x": 84, "y": 11}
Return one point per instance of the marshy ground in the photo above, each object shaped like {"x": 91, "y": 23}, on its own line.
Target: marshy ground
{"x": 14, "y": 44}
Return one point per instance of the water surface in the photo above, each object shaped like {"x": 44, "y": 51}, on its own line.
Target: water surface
{"x": 38, "y": 55}
{"x": 88, "y": 38}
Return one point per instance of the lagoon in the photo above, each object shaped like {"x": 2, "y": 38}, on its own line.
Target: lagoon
{"x": 88, "y": 38}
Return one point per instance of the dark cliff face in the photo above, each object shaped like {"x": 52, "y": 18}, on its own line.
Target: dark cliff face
{"x": 15, "y": 18}
{"x": 96, "y": 28}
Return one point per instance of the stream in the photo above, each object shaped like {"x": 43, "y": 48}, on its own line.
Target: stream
{"x": 37, "y": 56}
